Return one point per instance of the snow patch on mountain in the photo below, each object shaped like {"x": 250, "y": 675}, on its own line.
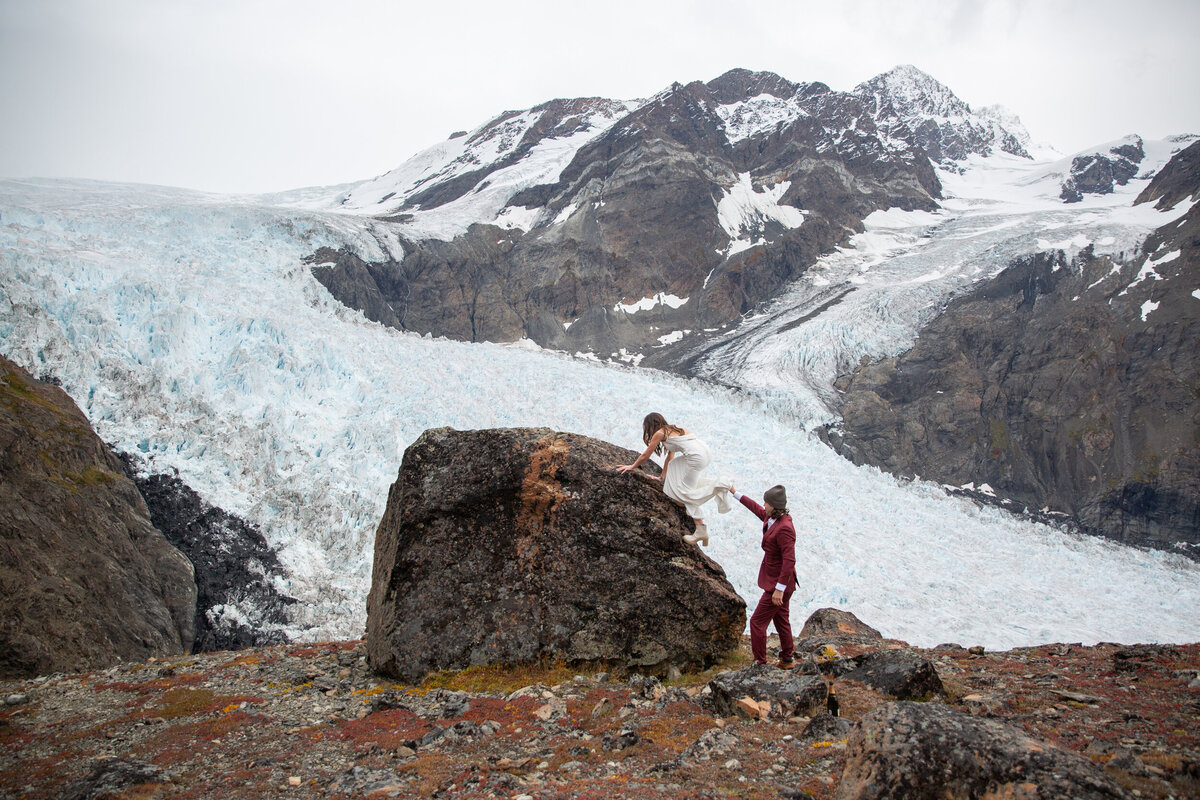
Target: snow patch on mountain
{"x": 758, "y": 115}
{"x": 482, "y": 151}
{"x": 648, "y": 303}
{"x": 744, "y": 212}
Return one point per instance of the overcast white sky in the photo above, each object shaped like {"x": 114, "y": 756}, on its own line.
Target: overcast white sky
{"x": 263, "y": 95}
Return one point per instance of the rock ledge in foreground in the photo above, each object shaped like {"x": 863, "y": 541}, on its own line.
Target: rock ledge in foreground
{"x": 928, "y": 751}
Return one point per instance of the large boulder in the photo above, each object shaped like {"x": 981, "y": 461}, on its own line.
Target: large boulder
{"x": 929, "y": 751}
{"x": 518, "y": 545}
{"x": 85, "y": 579}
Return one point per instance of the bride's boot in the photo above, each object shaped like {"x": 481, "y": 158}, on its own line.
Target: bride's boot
{"x": 701, "y": 535}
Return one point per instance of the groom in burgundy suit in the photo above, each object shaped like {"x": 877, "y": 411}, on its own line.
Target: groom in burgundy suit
{"x": 776, "y": 575}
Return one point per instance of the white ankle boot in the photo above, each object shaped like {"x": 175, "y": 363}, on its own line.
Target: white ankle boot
{"x": 701, "y": 535}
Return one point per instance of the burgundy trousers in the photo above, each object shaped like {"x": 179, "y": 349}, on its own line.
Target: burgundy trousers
{"x": 766, "y": 613}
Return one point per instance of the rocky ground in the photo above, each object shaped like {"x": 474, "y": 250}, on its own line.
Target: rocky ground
{"x": 310, "y": 720}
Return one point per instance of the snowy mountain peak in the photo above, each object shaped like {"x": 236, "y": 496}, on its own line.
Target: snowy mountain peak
{"x": 909, "y": 105}
{"x": 912, "y": 91}
{"x": 741, "y": 84}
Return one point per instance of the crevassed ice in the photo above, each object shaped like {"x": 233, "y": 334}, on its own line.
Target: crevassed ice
{"x": 189, "y": 331}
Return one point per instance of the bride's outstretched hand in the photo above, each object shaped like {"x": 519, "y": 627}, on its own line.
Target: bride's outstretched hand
{"x": 624, "y": 468}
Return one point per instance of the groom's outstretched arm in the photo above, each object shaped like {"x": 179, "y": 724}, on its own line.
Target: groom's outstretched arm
{"x": 754, "y": 507}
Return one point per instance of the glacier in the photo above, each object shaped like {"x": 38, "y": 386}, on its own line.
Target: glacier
{"x": 190, "y": 332}
{"x": 872, "y": 298}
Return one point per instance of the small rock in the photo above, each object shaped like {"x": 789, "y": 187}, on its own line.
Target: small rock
{"x": 625, "y": 739}
{"x": 732, "y": 763}
{"x": 16, "y": 699}
{"x": 838, "y": 623}
{"x": 748, "y": 707}
{"x": 787, "y": 692}
{"x": 601, "y": 708}
{"x": 826, "y": 728}
{"x": 1079, "y": 697}
{"x": 901, "y": 674}
{"x": 977, "y": 650}
{"x": 525, "y": 691}
{"x": 293, "y": 781}
{"x": 1127, "y": 761}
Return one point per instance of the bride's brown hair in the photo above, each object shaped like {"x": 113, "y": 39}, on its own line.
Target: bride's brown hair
{"x": 651, "y": 425}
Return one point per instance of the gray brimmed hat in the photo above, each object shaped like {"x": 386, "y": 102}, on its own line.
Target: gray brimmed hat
{"x": 776, "y": 496}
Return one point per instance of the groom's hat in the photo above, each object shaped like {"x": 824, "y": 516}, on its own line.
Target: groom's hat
{"x": 776, "y": 496}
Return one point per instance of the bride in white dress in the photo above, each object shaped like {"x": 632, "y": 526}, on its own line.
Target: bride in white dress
{"x": 686, "y": 458}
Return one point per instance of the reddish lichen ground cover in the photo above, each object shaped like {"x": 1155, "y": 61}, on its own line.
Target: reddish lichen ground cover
{"x": 310, "y": 721}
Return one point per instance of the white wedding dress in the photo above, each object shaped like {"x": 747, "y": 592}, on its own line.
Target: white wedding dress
{"x": 684, "y": 482}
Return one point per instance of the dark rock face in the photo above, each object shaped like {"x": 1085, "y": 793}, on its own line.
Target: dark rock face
{"x": 1178, "y": 180}
{"x": 85, "y": 579}
{"x": 901, "y": 674}
{"x": 789, "y": 692}
{"x": 515, "y": 545}
{"x": 1061, "y": 384}
{"x": 833, "y": 622}
{"x": 1096, "y": 173}
{"x": 928, "y": 751}
{"x": 233, "y": 563}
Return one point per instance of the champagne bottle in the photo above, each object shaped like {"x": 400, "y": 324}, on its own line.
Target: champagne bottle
{"x": 831, "y": 702}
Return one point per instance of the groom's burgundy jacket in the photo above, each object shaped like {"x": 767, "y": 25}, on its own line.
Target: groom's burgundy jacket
{"x": 779, "y": 546}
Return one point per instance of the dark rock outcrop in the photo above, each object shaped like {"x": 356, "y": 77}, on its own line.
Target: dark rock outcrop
{"x": 237, "y": 602}
{"x": 928, "y": 751}
{"x": 85, "y": 579}
{"x": 789, "y": 693}
{"x": 901, "y": 674}
{"x": 1067, "y": 384}
{"x": 1097, "y": 173}
{"x": 519, "y": 545}
{"x": 1177, "y": 181}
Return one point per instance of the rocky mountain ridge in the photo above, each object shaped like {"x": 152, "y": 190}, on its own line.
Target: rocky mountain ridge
{"x": 1063, "y": 383}
{"x": 562, "y": 223}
